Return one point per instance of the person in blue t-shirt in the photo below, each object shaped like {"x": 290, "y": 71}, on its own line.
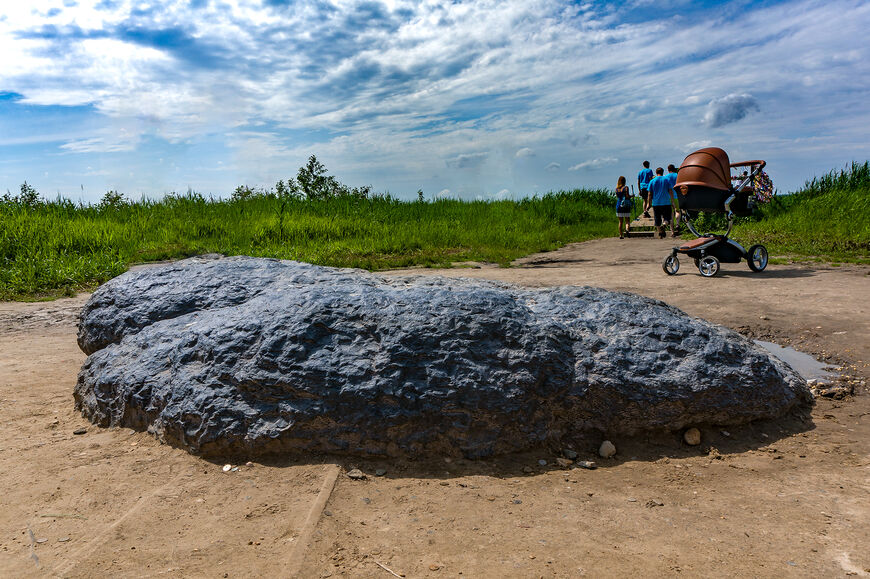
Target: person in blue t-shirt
{"x": 671, "y": 179}
{"x": 643, "y": 178}
{"x": 659, "y": 192}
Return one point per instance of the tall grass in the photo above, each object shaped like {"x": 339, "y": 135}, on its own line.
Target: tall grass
{"x": 829, "y": 218}
{"x": 50, "y": 248}
{"x": 58, "y": 247}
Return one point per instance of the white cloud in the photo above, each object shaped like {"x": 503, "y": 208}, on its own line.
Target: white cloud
{"x": 390, "y": 94}
{"x": 466, "y": 161}
{"x": 597, "y": 163}
{"x": 729, "y": 109}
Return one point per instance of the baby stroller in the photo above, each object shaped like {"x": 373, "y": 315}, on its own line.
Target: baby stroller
{"x": 704, "y": 183}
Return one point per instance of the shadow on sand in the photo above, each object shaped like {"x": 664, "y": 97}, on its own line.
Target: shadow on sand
{"x": 778, "y": 273}
{"x": 716, "y": 441}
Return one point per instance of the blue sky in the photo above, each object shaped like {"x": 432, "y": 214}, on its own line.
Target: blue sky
{"x": 477, "y": 99}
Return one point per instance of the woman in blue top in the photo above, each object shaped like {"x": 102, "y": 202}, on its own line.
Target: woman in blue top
{"x": 623, "y": 205}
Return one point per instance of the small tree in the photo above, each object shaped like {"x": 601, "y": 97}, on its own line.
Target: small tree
{"x": 312, "y": 179}
{"x": 314, "y": 183}
{"x": 112, "y": 200}
{"x": 242, "y": 193}
{"x": 29, "y": 196}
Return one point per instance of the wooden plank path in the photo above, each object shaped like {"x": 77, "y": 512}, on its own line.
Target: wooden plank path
{"x": 642, "y": 227}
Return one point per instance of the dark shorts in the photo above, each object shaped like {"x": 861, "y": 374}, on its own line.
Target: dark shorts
{"x": 662, "y": 213}
{"x": 644, "y": 194}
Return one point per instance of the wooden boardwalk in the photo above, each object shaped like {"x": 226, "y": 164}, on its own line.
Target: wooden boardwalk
{"x": 642, "y": 227}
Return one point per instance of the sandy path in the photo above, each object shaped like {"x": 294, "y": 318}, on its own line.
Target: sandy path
{"x": 771, "y": 499}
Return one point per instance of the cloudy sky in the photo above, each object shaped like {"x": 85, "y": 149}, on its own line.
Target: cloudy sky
{"x": 477, "y": 98}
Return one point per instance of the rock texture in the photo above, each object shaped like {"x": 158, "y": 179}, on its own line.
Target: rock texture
{"x": 244, "y": 356}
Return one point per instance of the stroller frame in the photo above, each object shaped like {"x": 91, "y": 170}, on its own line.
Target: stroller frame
{"x": 709, "y": 249}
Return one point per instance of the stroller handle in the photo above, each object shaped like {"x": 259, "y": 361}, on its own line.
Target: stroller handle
{"x": 749, "y": 163}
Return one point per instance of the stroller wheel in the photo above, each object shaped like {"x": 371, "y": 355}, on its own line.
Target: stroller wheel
{"x": 709, "y": 266}
{"x": 757, "y": 257}
{"x": 671, "y": 265}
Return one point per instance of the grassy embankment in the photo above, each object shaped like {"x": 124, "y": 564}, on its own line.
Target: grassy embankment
{"x": 56, "y": 248}
{"x": 828, "y": 219}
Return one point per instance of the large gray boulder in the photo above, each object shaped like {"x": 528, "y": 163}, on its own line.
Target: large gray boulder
{"x": 244, "y": 356}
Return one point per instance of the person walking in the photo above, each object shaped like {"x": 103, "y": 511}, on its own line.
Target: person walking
{"x": 644, "y": 177}
{"x": 671, "y": 178}
{"x": 661, "y": 202}
{"x": 623, "y": 205}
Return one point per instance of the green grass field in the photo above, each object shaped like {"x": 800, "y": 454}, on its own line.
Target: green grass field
{"x": 56, "y": 248}
{"x": 52, "y": 248}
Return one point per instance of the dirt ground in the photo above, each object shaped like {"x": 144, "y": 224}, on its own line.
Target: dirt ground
{"x": 774, "y": 499}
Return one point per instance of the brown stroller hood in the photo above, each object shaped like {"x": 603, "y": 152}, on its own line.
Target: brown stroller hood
{"x": 706, "y": 168}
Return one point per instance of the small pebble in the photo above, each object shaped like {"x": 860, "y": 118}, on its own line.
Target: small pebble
{"x": 63, "y": 540}
{"x": 367, "y": 500}
{"x": 587, "y": 464}
{"x": 654, "y": 503}
{"x": 249, "y": 464}
{"x": 80, "y": 431}
{"x": 41, "y": 540}
{"x": 434, "y": 567}
{"x": 607, "y": 449}
{"x": 564, "y": 462}
{"x": 517, "y": 502}
{"x": 570, "y": 454}
{"x": 227, "y": 467}
{"x": 356, "y": 474}
{"x": 726, "y": 434}
{"x": 632, "y": 500}
{"x": 380, "y": 472}
{"x": 692, "y": 437}
{"x": 528, "y": 469}
{"x": 542, "y": 462}
{"x": 444, "y": 483}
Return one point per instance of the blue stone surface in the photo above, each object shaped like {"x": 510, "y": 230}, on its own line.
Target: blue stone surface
{"x": 250, "y": 357}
